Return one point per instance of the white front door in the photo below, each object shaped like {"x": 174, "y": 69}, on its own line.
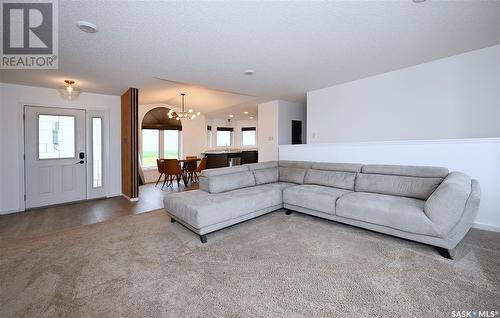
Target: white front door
{"x": 55, "y": 162}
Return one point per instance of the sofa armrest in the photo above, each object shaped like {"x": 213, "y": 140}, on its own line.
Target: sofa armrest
{"x": 446, "y": 205}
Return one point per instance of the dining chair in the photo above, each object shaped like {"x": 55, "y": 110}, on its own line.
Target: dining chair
{"x": 160, "y": 165}
{"x": 202, "y": 166}
{"x": 191, "y": 167}
{"x": 172, "y": 168}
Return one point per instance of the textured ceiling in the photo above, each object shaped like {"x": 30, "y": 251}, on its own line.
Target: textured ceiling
{"x": 292, "y": 46}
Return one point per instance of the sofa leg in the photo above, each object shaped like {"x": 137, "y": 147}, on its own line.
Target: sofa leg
{"x": 203, "y": 238}
{"x": 288, "y": 212}
{"x": 172, "y": 220}
{"x": 456, "y": 253}
{"x": 445, "y": 252}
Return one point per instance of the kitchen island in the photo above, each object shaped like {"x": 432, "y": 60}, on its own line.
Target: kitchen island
{"x": 219, "y": 159}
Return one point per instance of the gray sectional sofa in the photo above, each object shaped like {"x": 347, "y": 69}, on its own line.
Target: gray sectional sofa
{"x": 424, "y": 204}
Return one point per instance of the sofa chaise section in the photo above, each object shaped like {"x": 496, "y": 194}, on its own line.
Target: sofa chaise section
{"x": 227, "y": 196}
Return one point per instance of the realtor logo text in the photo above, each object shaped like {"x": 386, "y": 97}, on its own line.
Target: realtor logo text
{"x": 474, "y": 313}
{"x": 29, "y": 34}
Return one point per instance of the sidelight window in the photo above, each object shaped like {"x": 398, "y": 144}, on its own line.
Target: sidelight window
{"x": 96, "y": 152}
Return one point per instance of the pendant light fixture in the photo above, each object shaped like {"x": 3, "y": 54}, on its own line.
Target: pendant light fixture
{"x": 69, "y": 92}
{"x": 190, "y": 114}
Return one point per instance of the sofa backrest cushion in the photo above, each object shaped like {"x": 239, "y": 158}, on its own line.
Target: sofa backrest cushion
{"x": 208, "y": 173}
{"x": 225, "y": 170}
{"x": 413, "y": 187}
{"x": 293, "y": 175}
{"x": 264, "y": 172}
{"x": 295, "y": 164}
{"x": 409, "y": 171}
{"x": 262, "y": 165}
{"x": 408, "y": 181}
{"x": 268, "y": 175}
{"x": 336, "y": 179}
{"x": 232, "y": 181}
{"x": 346, "y": 167}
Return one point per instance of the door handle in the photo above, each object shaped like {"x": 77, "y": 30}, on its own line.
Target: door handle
{"x": 80, "y": 162}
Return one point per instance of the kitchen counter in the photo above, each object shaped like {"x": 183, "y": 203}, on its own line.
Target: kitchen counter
{"x": 219, "y": 159}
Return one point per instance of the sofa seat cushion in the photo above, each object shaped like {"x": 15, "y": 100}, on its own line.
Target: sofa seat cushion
{"x": 313, "y": 197}
{"x": 200, "y": 209}
{"x": 400, "y": 213}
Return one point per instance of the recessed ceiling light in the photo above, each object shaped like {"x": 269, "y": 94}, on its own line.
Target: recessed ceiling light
{"x": 87, "y": 26}
{"x": 249, "y": 72}
{"x": 418, "y": 1}
{"x": 245, "y": 113}
{"x": 251, "y": 117}
{"x": 231, "y": 116}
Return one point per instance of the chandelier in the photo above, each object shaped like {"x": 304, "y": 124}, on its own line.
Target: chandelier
{"x": 183, "y": 114}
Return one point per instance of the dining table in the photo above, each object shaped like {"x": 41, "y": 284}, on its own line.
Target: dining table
{"x": 184, "y": 161}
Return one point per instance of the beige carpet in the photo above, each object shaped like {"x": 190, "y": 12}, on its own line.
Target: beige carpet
{"x": 273, "y": 266}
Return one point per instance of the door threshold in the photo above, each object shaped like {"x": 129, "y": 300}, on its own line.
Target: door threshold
{"x": 63, "y": 204}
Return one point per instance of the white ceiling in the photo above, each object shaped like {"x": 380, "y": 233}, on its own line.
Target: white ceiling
{"x": 292, "y": 46}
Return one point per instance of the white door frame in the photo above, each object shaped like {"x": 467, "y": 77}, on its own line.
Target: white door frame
{"x": 22, "y": 174}
{"x": 77, "y": 175}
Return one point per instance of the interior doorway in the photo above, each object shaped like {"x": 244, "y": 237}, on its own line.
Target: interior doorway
{"x": 296, "y": 132}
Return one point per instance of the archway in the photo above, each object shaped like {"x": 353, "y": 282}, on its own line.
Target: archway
{"x": 160, "y": 136}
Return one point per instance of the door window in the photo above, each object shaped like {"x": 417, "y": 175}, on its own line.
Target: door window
{"x": 56, "y": 137}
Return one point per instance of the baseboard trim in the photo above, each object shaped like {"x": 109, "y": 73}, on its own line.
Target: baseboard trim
{"x": 113, "y": 195}
{"x": 487, "y": 227}
{"x": 9, "y": 211}
{"x": 130, "y": 199}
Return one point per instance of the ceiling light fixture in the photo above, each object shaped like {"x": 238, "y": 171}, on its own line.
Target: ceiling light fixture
{"x": 87, "y": 26}
{"x": 249, "y": 72}
{"x": 418, "y": 1}
{"x": 246, "y": 113}
{"x": 231, "y": 116}
{"x": 69, "y": 92}
{"x": 251, "y": 117}
{"x": 190, "y": 114}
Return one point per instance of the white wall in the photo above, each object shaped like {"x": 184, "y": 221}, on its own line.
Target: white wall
{"x": 287, "y": 112}
{"x": 13, "y": 97}
{"x": 454, "y": 97}
{"x": 237, "y": 134}
{"x": 275, "y": 126}
{"x": 268, "y": 131}
{"x": 479, "y": 158}
{"x": 194, "y": 136}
